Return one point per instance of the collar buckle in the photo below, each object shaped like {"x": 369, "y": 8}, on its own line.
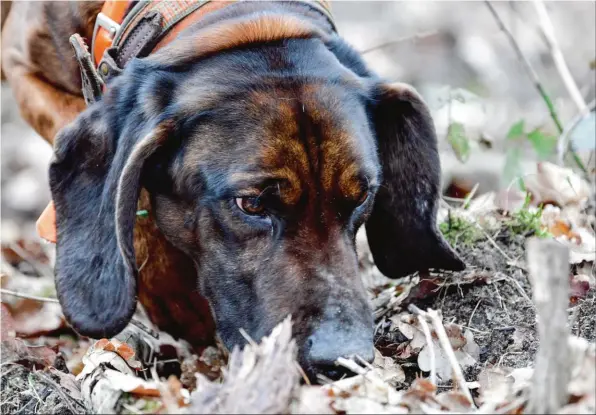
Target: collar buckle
{"x": 111, "y": 29}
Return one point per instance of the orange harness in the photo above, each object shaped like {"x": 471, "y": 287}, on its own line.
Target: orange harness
{"x": 124, "y": 31}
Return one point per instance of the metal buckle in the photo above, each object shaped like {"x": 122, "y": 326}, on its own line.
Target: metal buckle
{"x": 108, "y": 24}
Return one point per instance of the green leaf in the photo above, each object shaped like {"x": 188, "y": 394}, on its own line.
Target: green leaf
{"x": 456, "y": 135}
{"x": 543, "y": 144}
{"x": 142, "y": 213}
{"x": 516, "y": 130}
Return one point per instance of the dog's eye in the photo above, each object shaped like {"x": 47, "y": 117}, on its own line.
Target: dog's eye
{"x": 250, "y": 205}
{"x": 362, "y": 198}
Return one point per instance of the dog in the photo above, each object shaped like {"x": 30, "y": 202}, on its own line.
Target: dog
{"x": 258, "y": 142}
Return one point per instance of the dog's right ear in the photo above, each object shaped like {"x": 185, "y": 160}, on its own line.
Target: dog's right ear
{"x": 95, "y": 184}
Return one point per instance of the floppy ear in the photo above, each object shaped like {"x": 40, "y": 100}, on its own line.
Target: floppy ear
{"x": 95, "y": 184}
{"x": 402, "y": 231}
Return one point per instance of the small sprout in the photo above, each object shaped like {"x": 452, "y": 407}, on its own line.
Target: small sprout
{"x": 527, "y": 223}
{"x": 142, "y": 213}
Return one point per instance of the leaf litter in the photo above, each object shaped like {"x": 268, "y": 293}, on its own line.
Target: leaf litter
{"x": 485, "y": 312}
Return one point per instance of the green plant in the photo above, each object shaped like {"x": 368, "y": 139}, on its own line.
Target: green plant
{"x": 527, "y": 223}
{"x": 543, "y": 145}
{"x": 458, "y": 230}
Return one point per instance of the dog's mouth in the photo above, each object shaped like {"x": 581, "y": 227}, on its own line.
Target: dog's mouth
{"x": 324, "y": 374}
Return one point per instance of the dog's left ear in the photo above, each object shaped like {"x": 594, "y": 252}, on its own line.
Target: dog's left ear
{"x": 402, "y": 230}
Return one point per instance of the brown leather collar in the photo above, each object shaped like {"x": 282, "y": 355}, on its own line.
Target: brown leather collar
{"x": 150, "y": 25}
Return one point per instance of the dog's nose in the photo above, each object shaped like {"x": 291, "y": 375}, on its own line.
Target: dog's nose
{"x": 328, "y": 343}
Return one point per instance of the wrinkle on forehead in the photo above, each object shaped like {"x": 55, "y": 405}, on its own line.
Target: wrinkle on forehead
{"x": 302, "y": 135}
{"x": 310, "y": 135}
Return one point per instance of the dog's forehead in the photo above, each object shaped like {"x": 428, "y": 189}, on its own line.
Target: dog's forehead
{"x": 294, "y": 133}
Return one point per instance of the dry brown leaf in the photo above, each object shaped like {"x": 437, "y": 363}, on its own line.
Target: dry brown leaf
{"x": 179, "y": 393}
{"x": 120, "y": 348}
{"x": 131, "y": 383}
{"x": 579, "y": 286}
{"x": 16, "y": 349}
{"x": 494, "y": 385}
{"x": 68, "y": 382}
{"x": 552, "y": 183}
{"x": 454, "y": 401}
{"x": 32, "y": 318}
{"x": 388, "y": 369}
{"x": 465, "y": 348}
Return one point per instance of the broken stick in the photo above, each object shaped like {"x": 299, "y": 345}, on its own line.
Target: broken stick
{"x": 548, "y": 265}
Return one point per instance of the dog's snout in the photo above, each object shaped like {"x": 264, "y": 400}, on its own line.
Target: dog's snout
{"x": 330, "y": 342}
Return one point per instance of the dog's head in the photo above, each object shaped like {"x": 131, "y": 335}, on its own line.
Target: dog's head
{"x": 262, "y": 161}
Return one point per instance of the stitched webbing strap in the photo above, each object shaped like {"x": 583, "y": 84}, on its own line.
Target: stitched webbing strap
{"x": 151, "y": 24}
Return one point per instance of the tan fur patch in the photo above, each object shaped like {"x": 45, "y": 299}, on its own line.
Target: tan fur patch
{"x": 234, "y": 33}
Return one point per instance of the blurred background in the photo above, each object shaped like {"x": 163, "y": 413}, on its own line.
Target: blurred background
{"x": 454, "y": 53}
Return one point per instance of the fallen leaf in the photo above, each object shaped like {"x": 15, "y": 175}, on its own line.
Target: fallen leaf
{"x": 131, "y": 383}
{"x": 521, "y": 378}
{"x": 454, "y": 401}
{"x": 465, "y": 348}
{"x": 559, "y": 228}
{"x": 179, "y": 393}
{"x": 495, "y": 386}
{"x": 556, "y": 184}
{"x": 579, "y": 286}
{"x": 68, "y": 382}
{"x": 388, "y": 369}
{"x": 120, "y": 348}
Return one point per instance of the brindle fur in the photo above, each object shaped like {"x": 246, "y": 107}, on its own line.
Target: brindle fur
{"x": 282, "y": 109}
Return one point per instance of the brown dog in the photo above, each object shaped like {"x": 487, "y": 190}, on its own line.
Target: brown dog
{"x": 259, "y": 143}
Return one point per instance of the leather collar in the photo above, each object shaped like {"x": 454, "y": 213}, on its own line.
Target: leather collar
{"x": 125, "y": 30}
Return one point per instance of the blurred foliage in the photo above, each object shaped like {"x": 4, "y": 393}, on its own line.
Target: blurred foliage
{"x": 456, "y": 136}
{"x": 543, "y": 145}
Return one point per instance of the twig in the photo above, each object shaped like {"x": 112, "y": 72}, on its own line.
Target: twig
{"x": 431, "y": 349}
{"x": 473, "y": 312}
{"x": 400, "y": 40}
{"x": 536, "y": 80}
{"x": 562, "y": 141}
{"x": 359, "y": 370}
{"x": 520, "y": 289}
{"x": 493, "y": 243}
{"x": 446, "y": 344}
{"x": 434, "y": 318}
{"x": 58, "y": 389}
{"x": 302, "y": 373}
{"x": 29, "y": 297}
{"x": 546, "y": 25}
{"x": 469, "y": 196}
{"x": 548, "y": 262}
{"x": 133, "y": 321}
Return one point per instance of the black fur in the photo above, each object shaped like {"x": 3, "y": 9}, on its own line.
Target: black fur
{"x": 395, "y": 147}
{"x": 402, "y": 231}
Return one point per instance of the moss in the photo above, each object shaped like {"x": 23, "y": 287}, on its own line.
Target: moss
{"x": 460, "y": 231}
